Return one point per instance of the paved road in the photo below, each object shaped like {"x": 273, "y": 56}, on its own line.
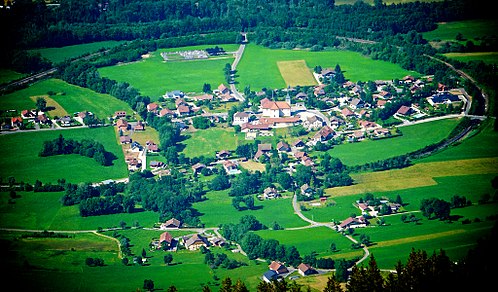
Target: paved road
{"x": 238, "y": 56}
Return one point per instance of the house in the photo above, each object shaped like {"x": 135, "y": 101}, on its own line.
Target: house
{"x": 367, "y": 125}
{"x": 195, "y": 242}
{"x": 198, "y": 167}
{"x": 183, "y": 110}
{"x": 152, "y": 107}
{"x": 139, "y": 126}
{"x": 165, "y": 240}
{"x": 283, "y": 147}
{"x": 125, "y": 139}
{"x": 223, "y": 89}
{"x": 298, "y": 144}
{"x": 355, "y": 222}
{"x": 166, "y": 112}
{"x": 156, "y": 164}
{"x": 275, "y": 109}
{"x": 278, "y": 267}
{"x": 305, "y": 269}
{"x": 223, "y": 154}
{"x": 313, "y": 123}
{"x": 216, "y": 241}
{"x": 306, "y": 190}
{"x": 444, "y": 97}
{"x": 171, "y": 223}
{"x": 240, "y": 118}
{"x": 122, "y": 124}
{"x": 357, "y": 103}
{"x": 269, "y": 276}
{"x": 174, "y": 94}
{"x": 346, "y": 112}
{"x": 326, "y": 133}
{"x": 28, "y": 114}
{"x": 119, "y": 114}
{"x": 16, "y": 122}
{"x": 231, "y": 167}
{"x": 270, "y": 193}
{"x": 405, "y": 110}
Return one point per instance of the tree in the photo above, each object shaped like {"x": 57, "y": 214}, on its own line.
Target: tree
{"x": 240, "y": 286}
{"x": 41, "y": 104}
{"x": 226, "y": 285}
{"x": 206, "y": 88}
{"x": 148, "y": 284}
{"x": 332, "y": 285}
{"x": 168, "y": 258}
{"x": 125, "y": 261}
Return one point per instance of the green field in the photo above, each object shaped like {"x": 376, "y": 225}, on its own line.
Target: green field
{"x": 7, "y": 75}
{"x": 57, "y": 55}
{"x": 486, "y": 57}
{"x": 296, "y": 73}
{"x": 72, "y": 98}
{"x": 22, "y": 160}
{"x": 257, "y": 59}
{"x": 153, "y": 77}
{"x": 470, "y": 29}
{"x": 208, "y": 142}
{"x": 414, "y": 137}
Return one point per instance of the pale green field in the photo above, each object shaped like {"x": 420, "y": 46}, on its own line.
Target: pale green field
{"x": 74, "y": 99}
{"x": 486, "y": 57}
{"x": 57, "y": 55}
{"x": 208, "y": 142}
{"x": 153, "y": 77}
{"x": 258, "y": 59}
{"x": 414, "y": 137}
{"x": 296, "y": 73}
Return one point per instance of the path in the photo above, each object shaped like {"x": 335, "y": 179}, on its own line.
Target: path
{"x": 238, "y": 56}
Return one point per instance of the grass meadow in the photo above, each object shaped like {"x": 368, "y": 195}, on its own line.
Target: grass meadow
{"x": 472, "y": 30}
{"x": 71, "y": 99}
{"x": 7, "y": 75}
{"x": 296, "y": 73}
{"x": 208, "y": 142}
{"x": 486, "y": 57}
{"x": 414, "y": 137}
{"x": 153, "y": 77}
{"x": 257, "y": 59}
{"x": 57, "y": 55}
{"x": 23, "y": 163}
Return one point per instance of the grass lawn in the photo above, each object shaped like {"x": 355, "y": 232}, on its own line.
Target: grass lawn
{"x": 308, "y": 240}
{"x": 257, "y": 59}
{"x": 70, "y": 97}
{"x": 57, "y": 55}
{"x": 414, "y": 137}
{"x": 153, "y": 77}
{"x": 24, "y": 164}
{"x": 208, "y": 142}
{"x": 218, "y": 209}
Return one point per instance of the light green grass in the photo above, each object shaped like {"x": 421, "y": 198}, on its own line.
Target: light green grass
{"x": 414, "y": 137}
{"x": 57, "y": 55}
{"x": 74, "y": 99}
{"x": 153, "y": 77}
{"x": 258, "y": 59}
{"x": 24, "y": 164}
{"x": 470, "y": 29}
{"x": 218, "y": 209}
{"x": 208, "y": 142}
{"x": 486, "y": 57}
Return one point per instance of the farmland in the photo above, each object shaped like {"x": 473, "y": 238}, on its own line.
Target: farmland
{"x": 266, "y": 200}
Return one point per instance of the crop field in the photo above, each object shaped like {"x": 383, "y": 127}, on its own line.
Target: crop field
{"x": 23, "y": 162}
{"x": 419, "y": 175}
{"x": 57, "y": 111}
{"x": 414, "y": 137}
{"x": 153, "y": 77}
{"x": 296, "y": 73}
{"x": 57, "y": 55}
{"x": 356, "y": 67}
{"x": 486, "y": 57}
{"x": 71, "y": 99}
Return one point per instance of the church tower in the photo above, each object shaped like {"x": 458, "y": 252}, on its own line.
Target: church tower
{"x": 287, "y": 97}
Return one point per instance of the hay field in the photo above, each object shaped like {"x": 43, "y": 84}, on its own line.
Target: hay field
{"x": 418, "y": 175}
{"x": 58, "y": 110}
{"x": 296, "y": 73}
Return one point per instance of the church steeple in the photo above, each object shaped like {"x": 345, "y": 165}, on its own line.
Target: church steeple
{"x": 287, "y": 97}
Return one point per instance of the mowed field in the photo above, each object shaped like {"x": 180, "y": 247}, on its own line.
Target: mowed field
{"x": 153, "y": 76}
{"x": 70, "y": 99}
{"x": 486, "y": 57}
{"x": 23, "y": 163}
{"x": 57, "y": 55}
{"x": 296, "y": 73}
{"x": 259, "y": 68}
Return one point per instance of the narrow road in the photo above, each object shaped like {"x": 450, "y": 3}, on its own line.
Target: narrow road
{"x": 238, "y": 56}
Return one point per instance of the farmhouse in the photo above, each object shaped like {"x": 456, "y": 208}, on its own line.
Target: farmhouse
{"x": 122, "y": 124}
{"x": 195, "y": 242}
{"x": 351, "y": 222}
{"x": 283, "y": 147}
{"x": 165, "y": 240}
{"x": 231, "y": 167}
{"x": 269, "y": 276}
{"x": 278, "y": 267}
{"x": 326, "y": 133}
{"x": 152, "y": 107}
{"x": 306, "y": 190}
{"x": 305, "y": 269}
{"x": 166, "y": 112}
{"x": 198, "y": 167}
{"x": 171, "y": 223}
{"x": 240, "y": 118}
{"x": 270, "y": 193}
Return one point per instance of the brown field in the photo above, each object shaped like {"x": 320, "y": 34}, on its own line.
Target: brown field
{"x": 253, "y": 166}
{"x": 418, "y": 175}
